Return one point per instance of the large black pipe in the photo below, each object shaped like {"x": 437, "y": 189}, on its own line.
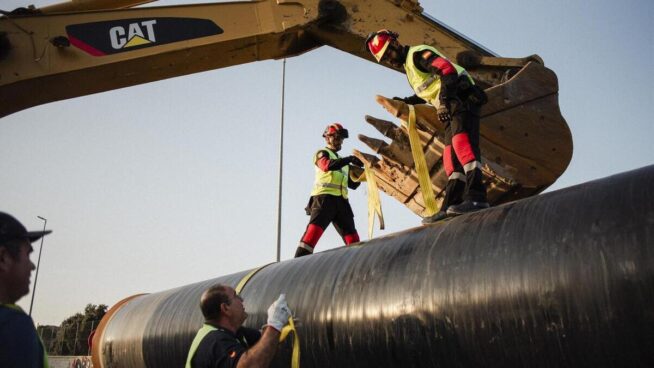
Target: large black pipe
{"x": 564, "y": 279}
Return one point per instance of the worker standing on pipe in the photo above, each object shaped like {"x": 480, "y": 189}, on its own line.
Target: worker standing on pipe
{"x": 328, "y": 202}
{"x": 223, "y": 342}
{"x": 20, "y": 347}
{"x": 448, "y": 86}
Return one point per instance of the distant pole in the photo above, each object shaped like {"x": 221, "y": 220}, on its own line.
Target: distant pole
{"x": 88, "y": 350}
{"x": 38, "y": 264}
{"x": 76, "y": 334}
{"x": 281, "y": 162}
{"x": 61, "y": 343}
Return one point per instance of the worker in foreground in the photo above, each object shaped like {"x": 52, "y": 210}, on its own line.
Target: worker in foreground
{"x": 223, "y": 342}
{"x": 20, "y": 347}
{"x": 328, "y": 202}
{"x": 447, "y": 86}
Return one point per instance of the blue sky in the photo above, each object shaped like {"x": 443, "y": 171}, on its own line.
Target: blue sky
{"x": 169, "y": 183}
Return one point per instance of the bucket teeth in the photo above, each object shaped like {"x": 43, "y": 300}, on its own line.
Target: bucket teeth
{"x": 426, "y": 118}
{"x": 383, "y": 168}
{"x": 395, "y": 165}
{"x": 396, "y": 108}
{"x": 392, "y": 152}
{"x": 377, "y": 145}
{"x": 366, "y": 158}
{"x": 370, "y": 160}
{"x": 388, "y": 129}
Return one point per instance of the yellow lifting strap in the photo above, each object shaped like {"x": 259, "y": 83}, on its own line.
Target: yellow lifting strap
{"x": 290, "y": 327}
{"x": 241, "y": 284}
{"x": 420, "y": 165}
{"x": 374, "y": 203}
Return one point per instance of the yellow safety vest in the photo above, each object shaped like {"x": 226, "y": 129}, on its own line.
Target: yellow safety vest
{"x": 426, "y": 85}
{"x": 330, "y": 182}
{"x": 45, "y": 354}
{"x": 196, "y": 342}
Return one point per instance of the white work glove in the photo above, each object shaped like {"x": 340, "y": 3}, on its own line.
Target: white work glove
{"x": 279, "y": 313}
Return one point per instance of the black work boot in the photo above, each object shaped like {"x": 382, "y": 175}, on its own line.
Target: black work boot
{"x": 466, "y": 207}
{"x": 453, "y": 192}
{"x": 440, "y": 215}
{"x": 302, "y": 250}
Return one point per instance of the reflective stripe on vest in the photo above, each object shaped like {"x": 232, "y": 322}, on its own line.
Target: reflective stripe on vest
{"x": 45, "y": 354}
{"x": 426, "y": 85}
{"x": 196, "y": 342}
{"x": 330, "y": 182}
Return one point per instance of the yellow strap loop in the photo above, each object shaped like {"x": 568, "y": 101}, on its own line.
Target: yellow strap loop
{"x": 290, "y": 328}
{"x": 374, "y": 203}
{"x": 421, "y": 165}
{"x": 241, "y": 284}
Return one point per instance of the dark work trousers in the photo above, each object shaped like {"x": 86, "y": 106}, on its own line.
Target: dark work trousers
{"x": 326, "y": 209}
{"x": 462, "y": 149}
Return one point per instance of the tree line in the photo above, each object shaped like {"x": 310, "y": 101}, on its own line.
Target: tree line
{"x": 71, "y": 337}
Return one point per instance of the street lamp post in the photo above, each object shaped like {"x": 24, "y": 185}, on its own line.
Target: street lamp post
{"x": 38, "y": 263}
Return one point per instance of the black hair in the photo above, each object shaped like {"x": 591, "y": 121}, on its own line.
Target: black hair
{"x": 212, "y": 299}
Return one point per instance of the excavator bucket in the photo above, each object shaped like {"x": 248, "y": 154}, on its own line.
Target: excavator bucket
{"x": 525, "y": 142}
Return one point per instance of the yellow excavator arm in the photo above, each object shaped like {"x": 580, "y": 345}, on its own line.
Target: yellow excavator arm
{"x": 87, "y": 46}
{"x": 84, "y": 5}
{"x": 78, "y": 48}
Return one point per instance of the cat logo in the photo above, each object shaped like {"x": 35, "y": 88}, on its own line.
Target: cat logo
{"x": 126, "y": 35}
{"x": 136, "y": 34}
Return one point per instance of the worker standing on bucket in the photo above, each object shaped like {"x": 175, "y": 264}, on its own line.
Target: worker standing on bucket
{"x": 448, "y": 86}
{"x": 328, "y": 202}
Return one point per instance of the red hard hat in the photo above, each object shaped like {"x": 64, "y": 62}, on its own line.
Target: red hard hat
{"x": 335, "y": 129}
{"x": 377, "y": 42}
